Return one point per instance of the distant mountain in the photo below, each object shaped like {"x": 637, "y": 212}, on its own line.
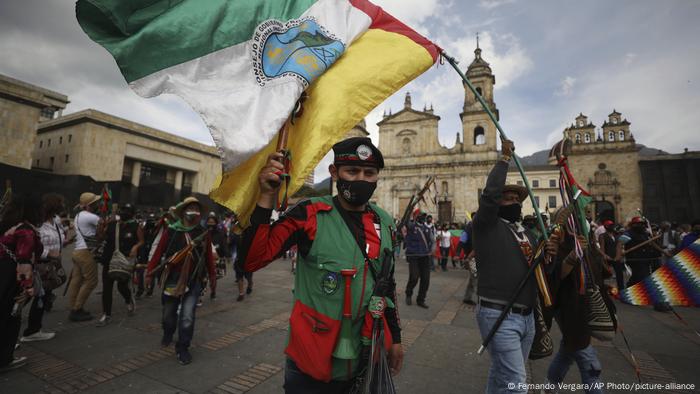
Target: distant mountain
{"x": 323, "y": 185}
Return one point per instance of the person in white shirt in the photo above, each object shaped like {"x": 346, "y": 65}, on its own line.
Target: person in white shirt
{"x": 444, "y": 237}
{"x": 53, "y": 238}
{"x": 84, "y": 275}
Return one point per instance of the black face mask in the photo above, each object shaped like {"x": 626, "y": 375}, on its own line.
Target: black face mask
{"x": 355, "y": 193}
{"x": 510, "y": 212}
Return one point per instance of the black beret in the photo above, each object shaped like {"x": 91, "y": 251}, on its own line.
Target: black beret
{"x": 357, "y": 151}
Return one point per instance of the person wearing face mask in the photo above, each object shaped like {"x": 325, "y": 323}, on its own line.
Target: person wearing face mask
{"x": 642, "y": 259}
{"x": 335, "y": 236}
{"x": 218, "y": 241}
{"x": 503, "y": 252}
{"x": 128, "y": 242}
{"x": 419, "y": 246}
{"x": 184, "y": 255}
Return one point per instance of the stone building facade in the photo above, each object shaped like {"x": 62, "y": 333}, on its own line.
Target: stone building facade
{"x": 22, "y": 107}
{"x": 109, "y": 149}
{"x": 605, "y": 161}
{"x": 409, "y": 141}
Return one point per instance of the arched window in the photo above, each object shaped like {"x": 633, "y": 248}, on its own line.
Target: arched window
{"x": 586, "y": 138}
{"x": 479, "y": 136}
{"x": 578, "y": 138}
{"x": 478, "y": 90}
{"x": 621, "y": 135}
{"x": 611, "y": 136}
{"x": 406, "y": 145}
{"x": 445, "y": 188}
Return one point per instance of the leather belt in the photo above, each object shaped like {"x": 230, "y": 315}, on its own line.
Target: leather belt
{"x": 515, "y": 309}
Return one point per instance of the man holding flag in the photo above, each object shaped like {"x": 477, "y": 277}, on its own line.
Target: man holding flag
{"x": 334, "y": 235}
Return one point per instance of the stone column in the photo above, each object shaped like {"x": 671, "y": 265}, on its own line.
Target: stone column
{"x": 136, "y": 173}
{"x": 178, "y": 180}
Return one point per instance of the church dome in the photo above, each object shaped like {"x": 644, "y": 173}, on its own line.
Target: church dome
{"x": 479, "y": 66}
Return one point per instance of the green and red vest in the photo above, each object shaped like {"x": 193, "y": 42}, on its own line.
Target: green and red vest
{"x": 315, "y": 322}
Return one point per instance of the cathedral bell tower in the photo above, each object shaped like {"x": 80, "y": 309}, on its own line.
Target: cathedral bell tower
{"x": 479, "y": 131}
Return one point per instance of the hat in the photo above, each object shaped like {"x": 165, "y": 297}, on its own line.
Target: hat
{"x": 88, "y": 198}
{"x": 357, "y": 151}
{"x": 189, "y": 200}
{"x": 607, "y": 223}
{"x": 520, "y": 190}
{"x": 636, "y": 220}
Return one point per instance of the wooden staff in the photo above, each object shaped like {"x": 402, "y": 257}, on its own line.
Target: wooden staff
{"x": 648, "y": 241}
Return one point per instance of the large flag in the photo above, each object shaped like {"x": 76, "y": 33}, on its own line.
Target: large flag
{"x": 676, "y": 282}
{"x": 243, "y": 64}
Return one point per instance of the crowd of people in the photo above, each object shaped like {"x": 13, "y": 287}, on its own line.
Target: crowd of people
{"x": 182, "y": 249}
{"x": 344, "y": 250}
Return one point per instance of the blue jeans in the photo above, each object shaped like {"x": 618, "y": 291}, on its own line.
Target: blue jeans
{"x": 588, "y": 365}
{"x": 183, "y": 321}
{"x": 508, "y": 348}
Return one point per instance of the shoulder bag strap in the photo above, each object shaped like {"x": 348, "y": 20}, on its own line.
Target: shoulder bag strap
{"x": 60, "y": 240}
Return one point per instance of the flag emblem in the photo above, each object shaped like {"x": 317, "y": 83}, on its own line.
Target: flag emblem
{"x": 300, "y": 48}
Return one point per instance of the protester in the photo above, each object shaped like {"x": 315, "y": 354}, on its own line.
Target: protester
{"x": 150, "y": 230}
{"x": 445, "y": 238}
{"x": 335, "y": 236}
{"x": 53, "y": 239}
{"x": 20, "y": 245}
{"x": 418, "y": 244}
{"x": 641, "y": 259}
{"x": 433, "y": 236}
{"x": 691, "y": 236}
{"x": 126, "y": 236}
{"x": 219, "y": 243}
{"x": 503, "y": 253}
{"x": 570, "y": 310}
{"x": 184, "y": 253}
{"x": 607, "y": 239}
{"x": 84, "y": 275}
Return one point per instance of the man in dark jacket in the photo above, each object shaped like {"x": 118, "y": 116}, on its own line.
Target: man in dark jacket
{"x": 418, "y": 244}
{"x": 503, "y": 254}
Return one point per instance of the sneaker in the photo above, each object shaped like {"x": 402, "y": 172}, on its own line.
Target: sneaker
{"x": 38, "y": 336}
{"x": 184, "y": 357}
{"x": 14, "y": 364}
{"x": 249, "y": 290}
{"x": 79, "y": 315}
{"x": 240, "y": 297}
{"x": 104, "y": 320}
{"x": 408, "y": 300}
{"x": 199, "y": 302}
{"x": 422, "y": 305}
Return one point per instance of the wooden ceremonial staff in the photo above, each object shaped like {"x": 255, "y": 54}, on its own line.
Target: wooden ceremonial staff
{"x": 648, "y": 241}
{"x": 282, "y": 139}
{"x": 535, "y": 264}
{"x": 415, "y": 199}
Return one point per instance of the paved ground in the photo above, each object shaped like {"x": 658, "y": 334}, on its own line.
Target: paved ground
{"x": 238, "y": 346}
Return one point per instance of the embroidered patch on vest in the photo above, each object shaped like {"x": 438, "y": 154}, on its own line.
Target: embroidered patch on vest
{"x": 329, "y": 283}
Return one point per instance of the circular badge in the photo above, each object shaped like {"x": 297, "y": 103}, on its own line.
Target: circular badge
{"x": 364, "y": 152}
{"x": 329, "y": 283}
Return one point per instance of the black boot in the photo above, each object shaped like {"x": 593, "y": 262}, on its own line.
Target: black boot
{"x": 408, "y": 300}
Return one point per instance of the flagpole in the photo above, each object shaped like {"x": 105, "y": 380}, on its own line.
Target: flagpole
{"x": 540, "y": 222}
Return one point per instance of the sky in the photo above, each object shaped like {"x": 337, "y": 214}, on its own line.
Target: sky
{"x": 552, "y": 59}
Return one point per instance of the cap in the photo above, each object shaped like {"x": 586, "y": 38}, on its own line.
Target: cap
{"x": 607, "y": 223}
{"x": 636, "y": 220}
{"x": 357, "y": 151}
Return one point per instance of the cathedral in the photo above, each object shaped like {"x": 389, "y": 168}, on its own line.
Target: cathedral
{"x": 603, "y": 160}
{"x": 409, "y": 141}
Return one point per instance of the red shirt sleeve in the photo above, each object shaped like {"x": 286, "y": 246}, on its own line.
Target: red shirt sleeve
{"x": 263, "y": 242}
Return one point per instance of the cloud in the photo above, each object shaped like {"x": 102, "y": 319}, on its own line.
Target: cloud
{"x": 508, "y": 58}
{"x": 490, "y": 4}
{"x": 566, "y": 86}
